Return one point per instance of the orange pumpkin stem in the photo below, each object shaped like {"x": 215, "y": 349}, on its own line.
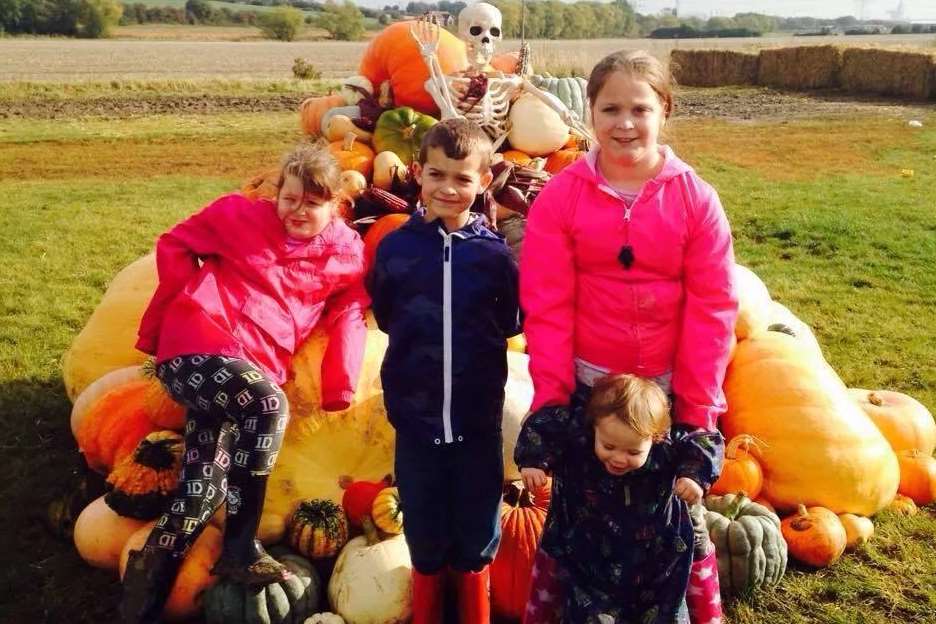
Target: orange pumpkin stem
{"x": 875, "y": 399}
{"x": 349, "y": 140}
{"x": 803, "y": 521}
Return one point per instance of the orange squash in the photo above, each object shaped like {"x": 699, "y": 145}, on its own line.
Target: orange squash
{"x": 814, "y": 536}
{"x": 523, "y": 514}
{"x": 858, "y": 530}
{"x": 353, "y": 154}
{"x": 507, "y": 62}
{"x": 917, "y": 476}
{"x": 114, "y": 425}
{"x": 194, "y": 577}
{"x": 517, "y": 157}
{"x": 903, "y": 420}
{"x": 753, "y": 302}
{"x": 263, "y": 185}
{"x": 559, "y": 160}
{"x": 313, "y": 109}
{"x": 376, "y": 233}
{"x": 97, "y": 389}
{"x": 741, "y": 471}
{"x": 100, "y": 534}
{"x": 393, "y": 56}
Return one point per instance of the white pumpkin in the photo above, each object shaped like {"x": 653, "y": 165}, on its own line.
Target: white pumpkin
{"x": 535, "y": 128}
{"x": 371, "y": 581}
{"x": 353, "y": 183}
{"x": 353, "y": 96}
{"x": 388, "y": 165}
{"x": 325, "y": 618}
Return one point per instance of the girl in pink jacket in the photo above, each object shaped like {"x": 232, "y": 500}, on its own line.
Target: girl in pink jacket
{"x": 626, "y": 268}
{"x": 241, "y": 285}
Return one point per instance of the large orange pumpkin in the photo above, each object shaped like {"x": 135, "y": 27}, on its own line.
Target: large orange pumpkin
{"x": 113, "y": 425}
{"x": 313, "y": 109}
{"x": 559, "y": 160}
{"x": 917, "y": 476}
{"x": 376, "y": 233}
{"x": 903, "y": 420}
{"x": 194, "y": 577}
{"x": 753, "y": 302}
{"x": 517, "y": 157}
{"x": 818, "y": 447}
{"x": 100, "y": 534}
{"x": 394, "y": 55}
{"x": 741, "y": 471}
{"x": 262, "y": 185}
{"x": 507, "y": 62}
{"x": 354, "y": 155}
{"x": 523, "y": 514}
{"x": 814, "y": 536}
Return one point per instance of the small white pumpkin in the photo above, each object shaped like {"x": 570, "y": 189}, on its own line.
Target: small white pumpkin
{"x": 371, "y": 582}
{"x": 353, "y": 183}
{"x": 388, "y": 165}
{"x": 340, "y": 125}
{"x": 325, "y": 618}
{"x": 353, "y": 96}
{"x": 535, "y": 128}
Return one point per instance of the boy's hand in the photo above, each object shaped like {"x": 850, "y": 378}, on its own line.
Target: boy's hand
{"x": 532, "y": 478}
{"x": 687, "y": 489}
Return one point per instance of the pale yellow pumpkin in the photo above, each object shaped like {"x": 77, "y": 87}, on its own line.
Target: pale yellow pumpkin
{"x": 753, "y": 302}
{"x": 904, "y": 421}
{"x": 818, "y": 447}
{"x": 100, "y": 534}
{"x": 858, "y": 530}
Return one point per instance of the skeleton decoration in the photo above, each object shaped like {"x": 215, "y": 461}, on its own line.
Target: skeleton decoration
{"x": 481, "y": 95}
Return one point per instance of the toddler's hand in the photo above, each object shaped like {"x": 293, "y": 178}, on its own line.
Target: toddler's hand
{"x": 533, "y": 478}
{"x": 688, "y": 490}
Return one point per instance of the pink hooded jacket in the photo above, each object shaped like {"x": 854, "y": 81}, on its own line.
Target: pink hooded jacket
{"x": 257, "y": 298}
{"x": 672, "y": 312}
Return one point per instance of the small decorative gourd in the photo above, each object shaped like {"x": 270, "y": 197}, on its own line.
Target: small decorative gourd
{"x": 292, "y": 600}
{"x": 858, "y": 530}
{"x": 388, "y": 511}
{"x": 144, "y": 481}
{"x": 750, "y": 548}
{"x": 815, "y": 536}
{"x": 318, "y": 529}
{"x": 741, "y": 471}
{"x": 358, "y": 497}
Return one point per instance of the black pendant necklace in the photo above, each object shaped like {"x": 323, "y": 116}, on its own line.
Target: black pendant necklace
{"x": 626, "y": 256}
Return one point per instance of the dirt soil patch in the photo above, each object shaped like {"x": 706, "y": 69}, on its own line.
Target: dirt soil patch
{"x": 720, "y": 103}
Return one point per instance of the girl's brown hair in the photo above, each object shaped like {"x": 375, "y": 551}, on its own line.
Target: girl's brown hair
{"x": 637, "y": 402}
{"x": 316, "y": 167}
{"x": 638, "y": 64}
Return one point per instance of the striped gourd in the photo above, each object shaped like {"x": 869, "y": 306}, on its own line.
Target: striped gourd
{"x": 318, "y": 529}
{"x": 387, "y": 511}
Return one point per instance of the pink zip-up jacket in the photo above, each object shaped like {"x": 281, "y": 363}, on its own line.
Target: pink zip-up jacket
{"x": 672, "y": 312}
{"x": 231, "y": 283}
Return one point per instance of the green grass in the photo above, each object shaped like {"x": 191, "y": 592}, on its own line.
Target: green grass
{"x": 837, "y": 235}
{"x": 30, "y": 90}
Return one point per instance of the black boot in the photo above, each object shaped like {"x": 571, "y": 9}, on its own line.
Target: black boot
{"x": 147, "y": 582}
{"x": 243, "y": 559}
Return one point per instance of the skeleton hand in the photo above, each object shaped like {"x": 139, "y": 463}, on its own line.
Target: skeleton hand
{"x": 426, "y": 34}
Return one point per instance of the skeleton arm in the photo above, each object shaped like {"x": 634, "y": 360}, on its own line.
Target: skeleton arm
{"x": 569, "y": 117}
{"x": 426, "y": 34}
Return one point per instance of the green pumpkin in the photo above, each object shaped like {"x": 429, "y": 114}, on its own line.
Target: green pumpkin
{"x": 571, "y": 91}
{"x": 750, "y": 548}
{"x": 287, "y": 602}
{"x": 400, "y": 130}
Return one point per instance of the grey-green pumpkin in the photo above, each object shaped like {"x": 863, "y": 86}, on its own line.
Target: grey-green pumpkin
{"x": 750, "y": 548}
{"x": 571, "y": 91}
{"x": 287, "y": 602}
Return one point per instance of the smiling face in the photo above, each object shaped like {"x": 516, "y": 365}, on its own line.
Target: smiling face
{"x": 619, "y": 447}
{"x": 450, "y": 185}
{"x": 304, "y": 215}
{"x": 628, "y": 116}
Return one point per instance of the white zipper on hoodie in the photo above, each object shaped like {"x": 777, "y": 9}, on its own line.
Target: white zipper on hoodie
{"x": 446, "y": 335}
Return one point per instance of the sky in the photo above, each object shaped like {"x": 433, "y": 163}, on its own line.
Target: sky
{"x": 869, "y": 9}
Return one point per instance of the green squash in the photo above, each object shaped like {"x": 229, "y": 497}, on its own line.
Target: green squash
{"x": 750, "y": 548}
{"x": 287, "y": 602}
{"x": 571, "y": 91}
{"x": 400, "y": 130}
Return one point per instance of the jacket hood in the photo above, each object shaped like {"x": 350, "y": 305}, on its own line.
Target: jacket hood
{"x": 587, "y": 168}
{"x": 475, "y": 228}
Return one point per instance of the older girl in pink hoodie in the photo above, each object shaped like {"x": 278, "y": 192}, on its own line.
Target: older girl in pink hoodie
{"x": 626, "y": 268}
{"x": 242, "y": 284}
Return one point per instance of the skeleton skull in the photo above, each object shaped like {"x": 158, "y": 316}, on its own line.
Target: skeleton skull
{"x": 479, "y": 26}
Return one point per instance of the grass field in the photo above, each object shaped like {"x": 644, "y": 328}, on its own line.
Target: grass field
{"x": 819, "y": 208}
{"x": 209, "y": 52}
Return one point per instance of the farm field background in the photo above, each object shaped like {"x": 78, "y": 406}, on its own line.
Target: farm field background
{"x": 815, "y": 186}
{"x": 114, "y": 59}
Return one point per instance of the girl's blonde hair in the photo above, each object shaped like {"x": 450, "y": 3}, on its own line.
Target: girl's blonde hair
{"x": 638, "y": 64}
{"x": 315, "y": 166}
{"x": 637, "y": 402}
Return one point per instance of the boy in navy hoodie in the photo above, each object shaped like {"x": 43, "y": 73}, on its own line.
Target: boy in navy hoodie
{"x": 444, "y": 287}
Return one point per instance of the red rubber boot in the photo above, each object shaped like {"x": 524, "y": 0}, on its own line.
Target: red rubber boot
{"x": 474, "y": 602}
{"x": 427, "y": 597}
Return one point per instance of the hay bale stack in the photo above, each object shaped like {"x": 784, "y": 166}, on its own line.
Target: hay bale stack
{"x": 888, "y": 72}
{"x": 803, "y": 67}
{"x": 712, "y": 68}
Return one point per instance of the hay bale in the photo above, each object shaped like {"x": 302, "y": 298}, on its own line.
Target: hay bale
{"x": 888, "y": 72}
{"x": 803, "y": 67}
{"x": 712, "y": 68}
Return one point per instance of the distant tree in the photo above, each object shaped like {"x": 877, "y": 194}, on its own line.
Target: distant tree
{"x": 199, "y": 10}
{"x": 10, "y": 13}
{"x": 384, "y": 19}
{"x": 97, "y": 18}
{"x": 343, "y": 21}
{"x": 281, "y": 23}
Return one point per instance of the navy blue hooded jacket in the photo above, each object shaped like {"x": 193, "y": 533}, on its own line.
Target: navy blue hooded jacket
{"x": 448, "y": 302}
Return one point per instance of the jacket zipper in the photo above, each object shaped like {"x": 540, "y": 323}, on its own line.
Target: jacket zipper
{"x": 447, "y": 337}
